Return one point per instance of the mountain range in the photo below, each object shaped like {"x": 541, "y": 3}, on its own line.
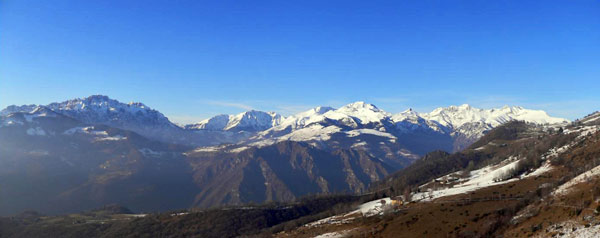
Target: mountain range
{"x": 88, "y": 152}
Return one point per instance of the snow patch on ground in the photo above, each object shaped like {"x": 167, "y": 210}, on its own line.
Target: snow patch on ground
{"x": 408, "y": 154}
{"x": 374, "y": 207}
{"x": 90, "y": 130}
{"x": 335, "y": 234}
{"x": 555, "y": 152}
{"x": 36, "y": 132}
{"x": 359, "y": 144}
{"x": 592, "y": 118}
{"x": 85, "y": 130}
{"x": 358, "y": 132}
{"x": 566, "y": 187}
{"x": 314, "y": 132}
{"x": 179, "y": 214}
{"x": 481, "y": 178}
{"x": 583, "y": 131}
{"x": 573, "y": 229}
{"x": 11, "y": 122}
{"x": 239, "y": 149}
{"x": 150, "y": 153}
{"x": 29, "y": 117}
{"x": 333, "y": 220}
{"x": 208, "y": 149}
{"x": 546, "y": 167}
{"x": 370, "y": 208}
{"x": 111, "y": 138}
{"x": 137, "y": 215}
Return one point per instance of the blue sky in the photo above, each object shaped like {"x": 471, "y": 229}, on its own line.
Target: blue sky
{"x": 194, "y": 59}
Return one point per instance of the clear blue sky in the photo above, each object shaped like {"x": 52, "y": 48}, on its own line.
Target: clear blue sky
{"x": 194, "y": 59}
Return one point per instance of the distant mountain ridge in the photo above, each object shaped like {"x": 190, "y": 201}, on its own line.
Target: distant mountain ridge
{"x": 246, "y": 121}
{"x": 463, "y": 123}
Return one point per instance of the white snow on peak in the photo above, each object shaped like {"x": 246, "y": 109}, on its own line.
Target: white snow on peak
{"x": 319, "y": 123}
{"x": 457, "y": 116}
{"x": 100, "y": 104}
{"x": 362, "y": 118}
{"x": 246, "y": 121}
{"x": 408, "y": 114}
{"x": 39, "y": 111}
{"x": 362, "y": 111}
{"x": 254, "y": 119}
{"x": 14, "y": 108}
{"x": 217, "y": 122}
{"x": 304, "y": 119}
{"x": 315, "y": 124}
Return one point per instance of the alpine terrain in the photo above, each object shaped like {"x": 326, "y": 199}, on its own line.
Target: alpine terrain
{"x": 85, "y": 153}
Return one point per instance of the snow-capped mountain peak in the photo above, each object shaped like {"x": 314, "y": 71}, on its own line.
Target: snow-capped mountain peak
{"x": 42, "y": 111}
{"x": 457, "y": 116}
{"x": 409, "y": 114}
{"x": 320, "y": 110}
{"x": 14, "y": 108}
{"x": 364, "y": 112}
{"x": 251, "y": 121}
{"x": 218, "y": 122}
{"x": 359, "y": 107}
{"x": 100, "y": 104}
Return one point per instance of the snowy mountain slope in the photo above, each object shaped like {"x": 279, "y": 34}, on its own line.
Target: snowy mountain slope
{"x": 246, "y": 121}
{"x": 473, "y": 122}
{"x": 451, "y": 129}
{"x": 352, "y": 116}
{"x": 14, "y": 108}
{"x": 592, "y": 119}
{"x": 457, "y": 116}
{"x": 410, "y": 120}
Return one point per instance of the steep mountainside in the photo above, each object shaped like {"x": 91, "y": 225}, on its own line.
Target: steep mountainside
{"x": 280, "y": 172}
